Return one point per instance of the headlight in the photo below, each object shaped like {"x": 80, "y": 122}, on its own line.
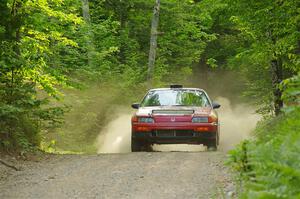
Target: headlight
{"x": 200, "y": 120}
{"x": 146, "y": 120}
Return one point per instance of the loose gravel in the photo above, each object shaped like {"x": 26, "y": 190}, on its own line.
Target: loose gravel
{"x": 133, "y": 175}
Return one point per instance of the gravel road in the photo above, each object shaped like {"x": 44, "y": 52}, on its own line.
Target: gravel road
{"x": 130, "y": 175}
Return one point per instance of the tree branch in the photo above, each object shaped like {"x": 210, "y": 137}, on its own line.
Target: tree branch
{"x": 9, "y": 165}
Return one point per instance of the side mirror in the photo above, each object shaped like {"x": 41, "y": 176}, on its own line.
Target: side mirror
{"x": 215, "y": 105}
{"x": 135, "y": 105}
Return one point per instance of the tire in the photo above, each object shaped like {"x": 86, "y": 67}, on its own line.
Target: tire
{"x": 212, "y": 145}
{"x": 147, "y": 147}
{"x": 135, "y": 146}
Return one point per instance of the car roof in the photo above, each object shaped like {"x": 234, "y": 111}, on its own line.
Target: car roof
{"x": 161, "y": 89}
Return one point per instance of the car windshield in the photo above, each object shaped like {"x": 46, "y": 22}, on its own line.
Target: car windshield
{"x": 176, "y": 98}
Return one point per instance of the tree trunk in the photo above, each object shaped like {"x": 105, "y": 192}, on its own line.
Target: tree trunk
{"x": 14, "y": 27}
{"x": 203, "y": 73}
{"x": 123, "y": 32}
{"x": 276, "y": 74}
{"x": 90, "y": 36}
{"x": 153, "y": 42}
{"x": 86, "y": 11}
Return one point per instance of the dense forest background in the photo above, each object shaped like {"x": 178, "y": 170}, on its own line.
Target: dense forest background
{"x": 59, "y": 55}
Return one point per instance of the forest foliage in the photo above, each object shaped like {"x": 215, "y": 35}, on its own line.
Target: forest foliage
{"x": 49, "y": 46}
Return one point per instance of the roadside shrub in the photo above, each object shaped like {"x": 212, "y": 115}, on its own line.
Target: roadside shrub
{"x": 270, "y": 168}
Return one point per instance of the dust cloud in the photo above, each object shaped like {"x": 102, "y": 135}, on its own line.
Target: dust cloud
{"x": 237, "y": 121}
{"x": 116, "y": 136}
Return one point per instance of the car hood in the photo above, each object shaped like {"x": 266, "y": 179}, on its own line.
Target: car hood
{"x": 173, "y": 110}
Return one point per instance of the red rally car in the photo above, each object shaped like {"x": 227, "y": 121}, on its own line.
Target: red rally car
{"x": 175, "y": 115}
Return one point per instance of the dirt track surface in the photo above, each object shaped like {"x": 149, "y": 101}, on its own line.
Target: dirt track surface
{"x": 132, "y": 175}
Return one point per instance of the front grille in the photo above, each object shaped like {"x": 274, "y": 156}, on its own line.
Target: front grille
{"x": 173, "y": 112}
{"x": 173, "y": 133}
{"x": 185, "y": 134}
{"x": 167, "y": 133}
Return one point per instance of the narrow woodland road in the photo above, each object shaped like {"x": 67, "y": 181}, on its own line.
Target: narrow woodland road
{"x": 131, "y": 175}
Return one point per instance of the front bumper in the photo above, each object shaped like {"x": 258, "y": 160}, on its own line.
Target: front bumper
{"x": 184, "y": 137}
{"x": 180, "y": 133}
{"x": 201, "y": 127}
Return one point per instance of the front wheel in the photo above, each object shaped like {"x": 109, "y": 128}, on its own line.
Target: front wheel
{"x": 212, "y": 145}
{"x": 135, "y": 146}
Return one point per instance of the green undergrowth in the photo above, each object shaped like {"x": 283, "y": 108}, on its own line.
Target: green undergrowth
{"x": 90, "y": 110}
{"x": 269, "y": 165}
